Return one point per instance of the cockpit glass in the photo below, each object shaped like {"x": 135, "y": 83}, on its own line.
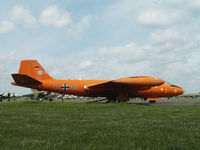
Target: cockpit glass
{"x": 169, "y": 83}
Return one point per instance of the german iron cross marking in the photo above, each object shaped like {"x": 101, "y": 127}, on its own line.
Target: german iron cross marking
{"x": 65, "y": 87}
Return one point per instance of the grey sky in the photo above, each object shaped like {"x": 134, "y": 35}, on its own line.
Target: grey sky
{"x": 102, "y": 40}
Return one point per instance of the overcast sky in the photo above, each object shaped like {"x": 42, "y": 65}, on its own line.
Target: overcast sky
{"x": 102, "y": 39}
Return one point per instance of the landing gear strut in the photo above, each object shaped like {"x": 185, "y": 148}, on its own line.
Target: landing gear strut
{"x": 111, "y": 99}
{"x": 122, "y": 97}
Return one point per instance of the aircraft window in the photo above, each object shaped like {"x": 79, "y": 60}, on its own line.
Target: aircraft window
{"x": 168, "y": 83}
{"x": 72, "y": 87}
{"x": 175, "y": 86}
{"x": 58, "y": 86}
{"x": 54, "y": 87}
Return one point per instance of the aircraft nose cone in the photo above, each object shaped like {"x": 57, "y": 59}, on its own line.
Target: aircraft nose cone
{"x": 180, "y": 91}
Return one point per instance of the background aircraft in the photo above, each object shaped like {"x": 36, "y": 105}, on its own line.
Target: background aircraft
{"x": 7, "y": 95}
{"x": 40, "y": 95}
{"x": 32, "y": 75}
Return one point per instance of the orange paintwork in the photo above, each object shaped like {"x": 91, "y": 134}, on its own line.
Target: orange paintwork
{"x": 141, "y": 81}
{"x": 32, "y": 75}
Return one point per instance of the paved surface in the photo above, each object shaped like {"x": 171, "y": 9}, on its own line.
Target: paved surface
{"x": 158, "y": 103}
{"x": 171, "y": 102}
{"x": 168, "y": 103}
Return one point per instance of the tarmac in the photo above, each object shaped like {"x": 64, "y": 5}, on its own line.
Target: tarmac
{"x": 170, "y": 102}
{"x": 158, "y": 103}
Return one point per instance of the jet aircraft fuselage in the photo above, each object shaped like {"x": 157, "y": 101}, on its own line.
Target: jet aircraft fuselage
{"x": 32, "y": 75}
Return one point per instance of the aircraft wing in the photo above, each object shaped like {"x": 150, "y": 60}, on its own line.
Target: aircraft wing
{"x": 130, "y": 82}
{"x": 106, "y": 84}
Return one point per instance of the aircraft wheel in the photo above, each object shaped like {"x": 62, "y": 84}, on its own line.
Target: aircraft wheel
{"x": 118, "y": 101}
{"x": 111, "y": 99}
{"x": 152, "y": 102}
{"x": 50, "y": 99}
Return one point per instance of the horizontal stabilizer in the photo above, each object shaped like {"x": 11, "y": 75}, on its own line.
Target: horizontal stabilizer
{"x": 25, "y": 79}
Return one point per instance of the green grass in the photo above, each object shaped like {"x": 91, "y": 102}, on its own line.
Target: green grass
{"x": 57, "y": 125}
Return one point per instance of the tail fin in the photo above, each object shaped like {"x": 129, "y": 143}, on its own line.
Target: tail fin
{"x": 34, "y": 70}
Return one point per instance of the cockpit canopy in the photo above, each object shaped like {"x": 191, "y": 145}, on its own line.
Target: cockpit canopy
{"x": 169, "y": 83}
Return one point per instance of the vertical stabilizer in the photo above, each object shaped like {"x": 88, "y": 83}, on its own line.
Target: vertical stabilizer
{"x": 33, "y": 69}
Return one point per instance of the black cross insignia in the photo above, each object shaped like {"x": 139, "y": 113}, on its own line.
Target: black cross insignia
{"x": 65, "y": 87}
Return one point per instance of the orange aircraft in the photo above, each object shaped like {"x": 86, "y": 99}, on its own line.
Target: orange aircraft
{"x": 32, "y": 75}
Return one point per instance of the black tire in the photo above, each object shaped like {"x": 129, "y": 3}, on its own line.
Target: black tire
{"x": 111, "y": 100}
{"x": 152, "y": 102}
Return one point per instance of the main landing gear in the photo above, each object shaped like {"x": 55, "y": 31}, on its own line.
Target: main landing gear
{"x": 152, "y": 100}
{"x": 122, "y": 97}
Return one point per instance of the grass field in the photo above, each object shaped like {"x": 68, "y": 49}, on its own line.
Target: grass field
{"x": 56, "y": 125}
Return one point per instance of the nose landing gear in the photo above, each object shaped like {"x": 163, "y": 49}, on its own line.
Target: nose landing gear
{"x": 152, "y": 100}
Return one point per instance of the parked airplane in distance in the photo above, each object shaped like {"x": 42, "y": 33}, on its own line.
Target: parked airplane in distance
{"x": 40, "y": 95}
{"x": 7, "y": 95}
{"x": 32, "y": 75}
